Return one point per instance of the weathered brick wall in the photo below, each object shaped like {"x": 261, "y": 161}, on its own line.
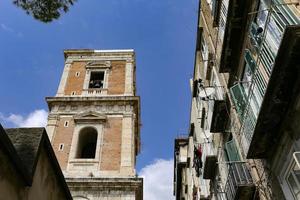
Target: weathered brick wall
{"x": 116, "y": 79}
{"x": 111, "y": 147}
{"x": 63, "y": 135}
{"x": 74, "y": 83}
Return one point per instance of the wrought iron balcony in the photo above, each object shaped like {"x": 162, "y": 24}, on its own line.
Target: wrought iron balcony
{"x": 234, "y": 34}
{"x": 256, "y": 35}
{"x": 239, "y": 183}
{"x": 283, "y": 84}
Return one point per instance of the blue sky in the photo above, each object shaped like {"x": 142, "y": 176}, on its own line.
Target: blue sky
{"x": 162, "y": 32}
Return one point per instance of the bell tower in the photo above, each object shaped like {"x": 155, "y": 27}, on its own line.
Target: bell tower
{"x": 93, "y": 124}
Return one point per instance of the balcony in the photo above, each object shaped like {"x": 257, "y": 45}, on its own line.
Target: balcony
{"x": 239, "y": 183}
{"x": 94, "y": 92}
{"x": 281, "y": 94}
{"x": 210, "y": 165}
{"x": 219, "y": 117}
{"x": 210, "y": 161}
{"x": 256, "y": 35}
{"x": 234, "y": 34}
{"x": 246, "y": 113}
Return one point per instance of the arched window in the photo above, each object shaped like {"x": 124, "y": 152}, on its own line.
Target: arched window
{"x": 87, "y": 143}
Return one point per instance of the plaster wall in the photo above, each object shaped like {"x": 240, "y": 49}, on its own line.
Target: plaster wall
{"x": 44, "y": 186}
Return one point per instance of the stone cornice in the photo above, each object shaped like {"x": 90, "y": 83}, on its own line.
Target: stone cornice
{"x": 89, "y": 54}
{"x": 51, "y": 100}
{"x": 106, "y": 183}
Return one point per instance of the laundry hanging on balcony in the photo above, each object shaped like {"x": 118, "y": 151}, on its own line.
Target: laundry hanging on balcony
{"x": 198, "y": 159}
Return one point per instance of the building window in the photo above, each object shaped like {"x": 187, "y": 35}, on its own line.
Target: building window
{"x": 293, "y": 180}
{"x": 66, "y": 124}
{"x": 77, "y": 74}
{"x": 87, "y": 143}
{"x": 96, "y": 79}
{"x": 73, "y": 93}
{"x": 61, "y": 147}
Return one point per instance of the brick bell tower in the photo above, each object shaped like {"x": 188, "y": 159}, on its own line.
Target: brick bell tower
{"x": 93, "y": 124}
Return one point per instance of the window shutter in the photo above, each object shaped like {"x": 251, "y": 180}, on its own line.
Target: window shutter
{"x": 203, "y": 118}
{"x": 199, "y": 36}
{"x": 216, "y": 12}
{"x": 192, "y": 129}
{"x": 195, "y": 88}
{"x": 210, "y": 66}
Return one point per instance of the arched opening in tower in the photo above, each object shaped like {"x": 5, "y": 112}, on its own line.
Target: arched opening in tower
{"x": 87, "y": 143}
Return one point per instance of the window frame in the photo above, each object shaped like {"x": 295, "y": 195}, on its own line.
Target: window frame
{"x": 289, "y": 171}
{"x": 66, "y": 123}
{"x": 75, "y": 141}
{"x": 78, "y": 155}
{"x": 90, "y": 76}
{"x": 61, "y": 147}
{"x": 284, "y": 173}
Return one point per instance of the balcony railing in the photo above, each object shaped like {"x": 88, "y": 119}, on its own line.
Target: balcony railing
{"x": 94, "y": 92}
{"x": 239, "y": 183}
{"x": 256, "y": 35}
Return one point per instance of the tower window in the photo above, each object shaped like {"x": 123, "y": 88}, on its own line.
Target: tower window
{"x": 66, "y": 124}
{"x": 96, "y": 80}
{"x": 61, "y": 147}
{"x": 77, "y": 74}
{"x": 87, "y": 143}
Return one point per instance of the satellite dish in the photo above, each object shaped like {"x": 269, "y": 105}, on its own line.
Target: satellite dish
{"x": 206, "y": 92}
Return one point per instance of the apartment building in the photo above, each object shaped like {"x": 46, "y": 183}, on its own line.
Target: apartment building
{"x": 245, "y": 105}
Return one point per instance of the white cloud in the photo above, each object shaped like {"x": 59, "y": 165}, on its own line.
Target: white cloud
{"x": 37, "y": 118}
{"x": 6, "y": 28}
{"x": 10, "y": 30}
{"x": 158, "y": 180}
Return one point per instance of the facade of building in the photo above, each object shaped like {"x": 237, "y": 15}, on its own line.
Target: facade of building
{"x": 180, "y": 167}
{"x": 245, "y": 106}
{"x": 28, "y": 166}
{"x": 93, "y": 124}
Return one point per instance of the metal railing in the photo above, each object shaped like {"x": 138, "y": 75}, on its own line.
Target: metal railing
{"x": 238, "y": 175}
{"x": 265, "y": 37}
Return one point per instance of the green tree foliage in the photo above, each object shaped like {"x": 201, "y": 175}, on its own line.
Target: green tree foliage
{"x": 44, "y": 10}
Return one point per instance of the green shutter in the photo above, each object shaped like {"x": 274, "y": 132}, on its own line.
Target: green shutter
{"x": 232, "y": 151}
